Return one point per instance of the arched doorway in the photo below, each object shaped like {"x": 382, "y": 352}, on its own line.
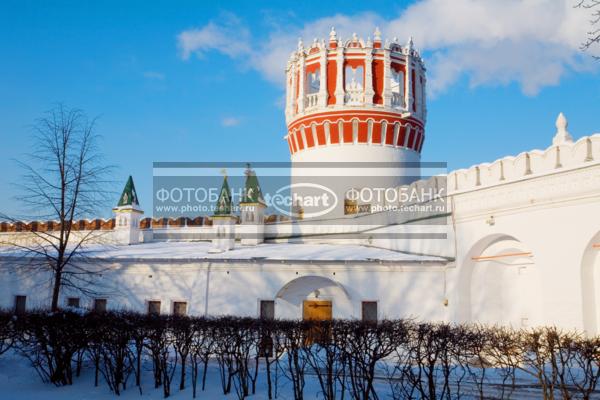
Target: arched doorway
{"x": 500, "y": 284}
{"x": 290, "y": 300}
{"x": 590, "y": 285}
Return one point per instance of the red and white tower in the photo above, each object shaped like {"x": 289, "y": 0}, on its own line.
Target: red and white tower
{"x": 356, "y": 101}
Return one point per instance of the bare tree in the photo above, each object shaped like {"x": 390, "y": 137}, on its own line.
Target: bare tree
{"x": 593, "y": 39}
{"x": 64, "y": 180}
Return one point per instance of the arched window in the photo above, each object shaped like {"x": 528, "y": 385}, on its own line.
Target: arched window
{"x": 354, "y": 83}
{"x": 354, "y": 77}
{"x": 313, "y": 82}
{"x": 397, "y": 85}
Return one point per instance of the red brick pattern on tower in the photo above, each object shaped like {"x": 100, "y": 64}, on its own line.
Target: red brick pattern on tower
{"x": 355, "y": 93}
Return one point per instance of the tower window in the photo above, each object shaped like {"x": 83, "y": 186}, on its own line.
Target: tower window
{"x": 397, "y": 86}
{"x": 354, "y": 77}
{"x": 313, "y": 82}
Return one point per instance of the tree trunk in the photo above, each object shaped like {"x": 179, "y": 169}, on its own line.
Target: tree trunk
{"x": 56, "y": 289}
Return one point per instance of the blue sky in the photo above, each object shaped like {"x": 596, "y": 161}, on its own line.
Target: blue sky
{"x": 499, "y": 73}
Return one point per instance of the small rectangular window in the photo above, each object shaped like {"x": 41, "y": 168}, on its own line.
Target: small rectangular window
{"x": 179, "y": 308}
{"x": 369, "y": 311}
{"x": 100, "y": 305}
{"x": 73, "y": 302}
{"x": 267, "y": 309}
{"x": 20, "y": 304}
{"x": 154, "y": 307}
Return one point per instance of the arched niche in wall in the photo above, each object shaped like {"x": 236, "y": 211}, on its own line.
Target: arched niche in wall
{"x": 590, "y": 286}
{"x": 289, "y": 299}
{"x": 499, "y": 284}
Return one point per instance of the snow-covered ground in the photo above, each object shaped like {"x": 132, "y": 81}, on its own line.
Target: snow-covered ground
{"x": 18, "y": 380}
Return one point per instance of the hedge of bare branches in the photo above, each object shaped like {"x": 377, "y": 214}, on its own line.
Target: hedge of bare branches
{"x": 354, "y": 359}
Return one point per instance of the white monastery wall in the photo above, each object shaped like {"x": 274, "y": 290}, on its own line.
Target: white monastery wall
{"x": 402, "y": 291}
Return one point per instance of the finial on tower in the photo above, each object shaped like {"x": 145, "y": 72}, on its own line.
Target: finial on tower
{"x": 300, "y": 44}
{"x": 333, "y": 35}
{"x": 354, "y": 37}
{"x": 562, "y": 135}
{"x": 377, "y": 35}
{"x": 410, "y": 43}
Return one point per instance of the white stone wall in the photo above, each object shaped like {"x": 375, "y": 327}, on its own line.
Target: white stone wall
{"x": 401, "y": 290}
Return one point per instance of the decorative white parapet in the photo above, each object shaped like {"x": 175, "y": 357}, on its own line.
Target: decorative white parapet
{"x": 563, "y": 154}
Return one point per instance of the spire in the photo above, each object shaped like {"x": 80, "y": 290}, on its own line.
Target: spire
{"x": 252, "y": 192}
{"x": 410, "y": 44}
{"x": 224, "y": 201}
{"x": 562, "y": 135}
{"x": 129, "y": 196}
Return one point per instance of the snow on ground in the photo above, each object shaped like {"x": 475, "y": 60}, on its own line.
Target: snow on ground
{"x": 272, "y": 251}
{"x": 19, "y": 381}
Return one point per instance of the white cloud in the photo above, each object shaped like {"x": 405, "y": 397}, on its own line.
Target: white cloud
{"x": 229, "y": 37}
{"x": 531, "y": 42}
{"x": 230, "y": 121}
{"x": 154, "y": 75}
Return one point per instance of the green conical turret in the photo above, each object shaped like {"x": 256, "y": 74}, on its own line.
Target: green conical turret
{"x": 129, "y": 196}
{"x": 252, "y": 192}
{"x": 224, "y": 201}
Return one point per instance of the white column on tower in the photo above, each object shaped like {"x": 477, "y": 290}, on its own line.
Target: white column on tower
{"x": 424, "y": 98}
{"x": 369, "y": 92}
{"x": 294, "y": 95}
{"x": 323, "y": 77}
{"x": 288, "y": 91}
{"x": 301, "y": 100}
{"x": 387, "y": 78}
{"x": 408, "y": 88}
{"x": 339, "y": 77}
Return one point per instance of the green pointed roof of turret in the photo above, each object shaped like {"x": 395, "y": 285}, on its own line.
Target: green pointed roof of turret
{"x": 129, "y": 196}
{"x": 224, "y": 201}
{"x": 252, "y": 192}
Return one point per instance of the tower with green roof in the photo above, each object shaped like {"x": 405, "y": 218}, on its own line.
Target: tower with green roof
{"x": 252, "y": 209}
{"x": 224, "y": 203}
{"x": 223, "y": 236}
{"x": 127, "y": 215}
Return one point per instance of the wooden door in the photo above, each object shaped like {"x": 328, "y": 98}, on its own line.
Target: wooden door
{"x": 317, "y": 310}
